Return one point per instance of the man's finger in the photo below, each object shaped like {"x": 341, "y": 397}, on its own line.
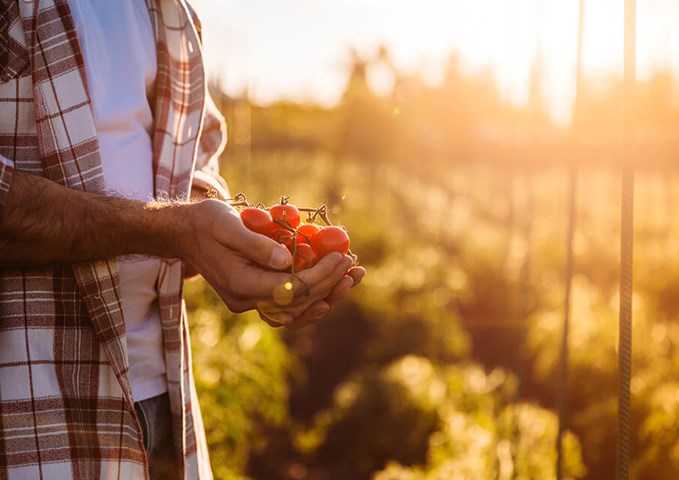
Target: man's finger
{"x": 312, "y": 315}
{"x": 272, "y": 323}
{"x": 273, "y": 315}
{"x": 342, "y": 287}
{"x": 326, "y": 273}
{"x": 340, "y": 290}
{"x": 356, "y": 274}
{"x": 253, "y": 246}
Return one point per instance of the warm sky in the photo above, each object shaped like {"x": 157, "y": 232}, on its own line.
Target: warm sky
{"x": 299, "y": 48}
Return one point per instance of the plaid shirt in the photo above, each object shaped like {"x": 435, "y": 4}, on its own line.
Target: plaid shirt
{"x": 66, "y": 407}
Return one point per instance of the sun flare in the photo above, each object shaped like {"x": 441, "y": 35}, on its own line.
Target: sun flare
{"x": 298, "y": 48}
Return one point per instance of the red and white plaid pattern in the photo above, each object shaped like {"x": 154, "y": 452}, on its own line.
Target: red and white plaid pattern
{"x": 66, "y": 406}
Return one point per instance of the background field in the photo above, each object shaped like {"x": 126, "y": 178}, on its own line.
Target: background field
{"x": 443, "y": 364}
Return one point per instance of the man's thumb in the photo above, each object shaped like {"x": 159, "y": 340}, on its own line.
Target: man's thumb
{"x": 280, "y": 257}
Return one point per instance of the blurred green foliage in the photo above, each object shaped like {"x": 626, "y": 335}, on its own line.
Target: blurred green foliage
{"x": 443, "y": 364}
{"x": 241, "y": 368}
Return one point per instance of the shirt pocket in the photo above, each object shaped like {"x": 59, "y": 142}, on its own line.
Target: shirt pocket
{"x": 14, "y": 55}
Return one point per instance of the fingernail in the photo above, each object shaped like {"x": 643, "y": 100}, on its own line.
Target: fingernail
{"x": 336, "y": 257}
{"x": 321, "y": 313}
{"x": 280, "y": 258}
{"x": 348, "y": 285}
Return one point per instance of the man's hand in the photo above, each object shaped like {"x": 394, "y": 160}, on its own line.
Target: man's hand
{"x": 244, "y": 269}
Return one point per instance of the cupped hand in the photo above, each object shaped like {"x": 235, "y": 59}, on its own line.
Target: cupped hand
{"x": 320, "y": 308}
{"x": 244, "y": 269}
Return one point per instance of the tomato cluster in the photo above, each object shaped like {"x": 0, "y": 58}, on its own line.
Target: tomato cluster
{"x": 307, "y": 241}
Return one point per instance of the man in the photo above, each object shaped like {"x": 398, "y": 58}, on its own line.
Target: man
{"x": 103, "y": 106}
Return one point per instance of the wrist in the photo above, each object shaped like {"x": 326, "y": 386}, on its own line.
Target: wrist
{"x": 165, "y": 229}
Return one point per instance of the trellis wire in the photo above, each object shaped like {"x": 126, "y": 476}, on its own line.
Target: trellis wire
{"x": 626, "y": 248}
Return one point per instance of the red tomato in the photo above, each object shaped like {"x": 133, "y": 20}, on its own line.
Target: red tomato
{"x": 305, "y": 257}
{"x": 331, "y": 239}
{"x": 257, "y": 220}
{"x": 285, "y": 213}
{"x": 307, "y": 232}
{"x": 284, "y": 236}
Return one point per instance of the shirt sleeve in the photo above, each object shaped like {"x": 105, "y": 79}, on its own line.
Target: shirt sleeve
{"x": 6, "y": 173}
{"x": 213, "y": 137}
{"x": 211, "y": 145}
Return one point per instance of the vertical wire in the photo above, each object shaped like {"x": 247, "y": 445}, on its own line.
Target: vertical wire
{"x": 564, "y": 354}
{"x": 509, "y": 331}
{"x": 516, "y": 397}
{"x": 626, "y": 247}
{"x": 562, "y": 399}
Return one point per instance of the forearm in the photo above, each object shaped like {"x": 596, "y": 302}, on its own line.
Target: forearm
{"x": 43, "y": 222}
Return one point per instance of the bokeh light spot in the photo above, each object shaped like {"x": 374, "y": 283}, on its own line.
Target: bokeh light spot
{"x": 283, "y": 294}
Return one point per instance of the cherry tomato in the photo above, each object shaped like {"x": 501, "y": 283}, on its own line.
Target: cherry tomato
{"x": 331, "y": 239}
{"x": 283, "y": 235}
{"x": 307, "y": 232}
{"x": 285, "y": 213}
{"x": 257, "y": 220}
{"x": 305, "y": 257}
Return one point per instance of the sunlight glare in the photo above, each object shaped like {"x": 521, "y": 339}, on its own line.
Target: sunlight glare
{"x": 299, "y": 48}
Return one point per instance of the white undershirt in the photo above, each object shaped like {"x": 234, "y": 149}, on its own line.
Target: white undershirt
{"x": 118, "y": 45}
